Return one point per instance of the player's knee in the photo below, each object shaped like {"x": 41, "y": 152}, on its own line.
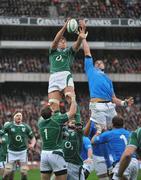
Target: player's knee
{"x": 103, "y": 177}
{"x": 44, "y": 176}
{"x": 8, "y": 168}
{"x": 1, "y": 171}
{"x": 24, "y": 170}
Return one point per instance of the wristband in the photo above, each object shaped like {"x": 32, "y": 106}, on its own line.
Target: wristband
{"x": 124, "y": 103}
{"x": 73, "y": 99}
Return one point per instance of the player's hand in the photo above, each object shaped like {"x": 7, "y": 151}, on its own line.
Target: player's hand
{"x": 82, "y": 29}
{"x": 88, "y": 161}
{"x": 129, "y": 101}
{"x": 82, "y": 25}
{"x": 66, "y": 22}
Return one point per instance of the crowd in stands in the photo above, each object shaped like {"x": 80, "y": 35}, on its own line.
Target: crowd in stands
{"x": 31, "y": 102}
{"x": 40, "y": 64}
{"x": 73, "y": 8}
{"x": 48, "y": 33}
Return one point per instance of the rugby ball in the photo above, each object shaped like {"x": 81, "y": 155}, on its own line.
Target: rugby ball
{"x": 72, "y": 26}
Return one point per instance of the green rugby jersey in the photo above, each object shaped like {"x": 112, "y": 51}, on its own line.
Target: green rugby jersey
{"x": 3, "y": 147}
{"x": 61, "y": 60}
{"x": 72, "y": 147}
{"x": 51, "y": 131}
{"x": 135, "y": 140}
{"x": 18, "y": 136}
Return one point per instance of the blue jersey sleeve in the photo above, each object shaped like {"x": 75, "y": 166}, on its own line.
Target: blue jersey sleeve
{"x": 88, "y": 64}
{"x": 87, "y": 143}
{"x": 102, "y": 138}
{"x": 92, "y": 131}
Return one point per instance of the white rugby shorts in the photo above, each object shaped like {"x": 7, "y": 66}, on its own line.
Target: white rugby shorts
{"x": 59, "y": 81}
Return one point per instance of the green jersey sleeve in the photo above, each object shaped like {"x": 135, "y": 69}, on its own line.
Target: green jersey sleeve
{"x": 5, "y": 139}
{"x": 77, "y": 115}
{"x": 135, "y": 139}
{"x": 61, "y": 118}
{"x": 29, "y": 132}
{"x": 6, "y": 127}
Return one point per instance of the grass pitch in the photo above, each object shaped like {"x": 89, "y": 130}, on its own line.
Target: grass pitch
{"x": 35, "y": 175}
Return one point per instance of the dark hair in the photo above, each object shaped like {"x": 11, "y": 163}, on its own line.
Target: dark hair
{"x": 17, "y": 111}
{"x": 99, "y": 60}
{"x": 46, "y": 112}
{"x": 117, "y": 122}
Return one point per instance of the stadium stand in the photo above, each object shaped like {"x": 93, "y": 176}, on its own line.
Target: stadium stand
{"x": 41, "y": 34}
{"x": 39, "y": 64}
{"x": 78, "y": 8}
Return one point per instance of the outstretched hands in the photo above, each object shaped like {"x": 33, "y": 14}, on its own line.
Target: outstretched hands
{"x": 129, "y": 101}
{"x": 82, "y": 29}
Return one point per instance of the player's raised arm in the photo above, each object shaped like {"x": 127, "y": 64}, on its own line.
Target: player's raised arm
{"x": 86, "y": 48}
{"x": 87, "y": 128}
{"x": 59, "y": 35}
{"x": 73, "y": 106}
{"x": 124, "y": 103}
{"x": 81, "y": 35}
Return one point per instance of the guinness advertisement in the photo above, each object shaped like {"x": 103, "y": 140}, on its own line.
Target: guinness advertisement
{"x": 105, "y": 22}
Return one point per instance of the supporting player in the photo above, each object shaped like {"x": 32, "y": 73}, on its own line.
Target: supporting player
{"x": 61, "y": 58}
{"x": 50, "y": 126}
{"x": 18, "y": 135}
{"x": 72, "y": 145}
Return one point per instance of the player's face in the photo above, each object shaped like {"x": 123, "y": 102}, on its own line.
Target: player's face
{"x": 18, "y": 118}
{"x": 62, "y": 44}
{"x": 99, "y": 64}
{"x": 71, "y": 123}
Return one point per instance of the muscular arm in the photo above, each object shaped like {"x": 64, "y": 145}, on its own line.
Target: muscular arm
{"x": 90, "y": 153}
{"x": 58, "y": 36}
{"x": 81, "y": 35}
{"x": 125, "y": 159}
{"x": 86, "y": 48}
{"x": 87, "y": 128}
{"x": 119, "y": 102}
{"x": 32, "y": 142}
{"x": 73, "y": 108}
{"x": 77, "y": 44}
{"x": 116, "y": 100}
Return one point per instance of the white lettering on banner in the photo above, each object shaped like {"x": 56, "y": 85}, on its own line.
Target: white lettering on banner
{"x": 133, "y": 22}
{"x": 10, "y": 21}
{"x": 49, "y": 22}
{"x": 99, "y": 22}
